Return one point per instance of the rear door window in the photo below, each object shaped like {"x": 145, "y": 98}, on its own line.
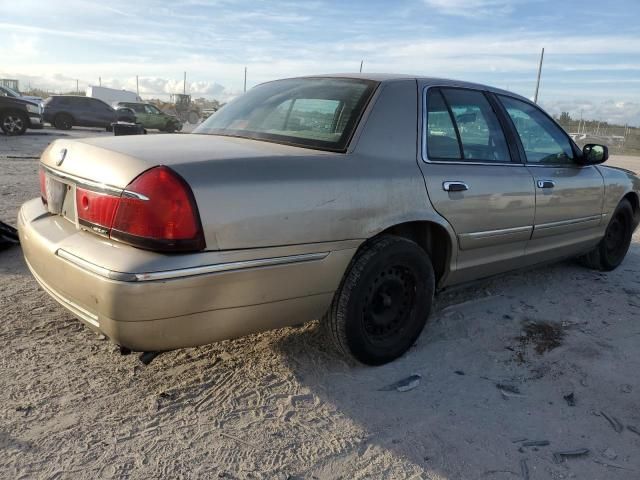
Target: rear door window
{"x": 480, "y": 132}
{"x": 442, "y": 139}
{"x": 461, "y": 125}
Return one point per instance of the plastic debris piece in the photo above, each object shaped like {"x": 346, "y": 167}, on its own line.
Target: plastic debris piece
{"x": 615, "y": 423}
{"x": 559, "y": 457}
{"x": 536, "y": 443}
{"x": 524, "y": 469}
{"x": 570, "y": 399}
{"x": 633, "y": 429}
{"x": 404, "y": 385}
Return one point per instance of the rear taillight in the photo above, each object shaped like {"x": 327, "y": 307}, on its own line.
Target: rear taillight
{"x": 157, "y": 211}
{"x": 96, "y": 210}
{"x": 43, "y": 186}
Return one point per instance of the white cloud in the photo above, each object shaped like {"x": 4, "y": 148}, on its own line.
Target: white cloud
{"x": 472, "y": 8}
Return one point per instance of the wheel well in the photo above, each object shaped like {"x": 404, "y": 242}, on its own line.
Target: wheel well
{"x": 635, "y": 205}
{"x": 433, "y": 239}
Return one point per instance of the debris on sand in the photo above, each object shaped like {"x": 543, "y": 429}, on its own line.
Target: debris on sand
{"x": 404, "y": 385}
{"x": 536, "y": 443}
{"x": 570, "y": 399}
{"x": 524, "y": 469}
{"x": 508, "y": 390}
{"x": 543, "y": 336}
{"x": 633, "y": 429}
{"x": 615, "y": 423}
{"x": 559, "y": 457}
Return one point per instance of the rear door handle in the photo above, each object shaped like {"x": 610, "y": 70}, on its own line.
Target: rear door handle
{"x": 455, "y": 186}
{"x": 546, "y": 184}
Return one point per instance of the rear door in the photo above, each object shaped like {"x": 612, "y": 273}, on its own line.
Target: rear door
{"x": 475, "y": 180}
{"x": 569, "y": 196}
{"x": 154, "y": 118}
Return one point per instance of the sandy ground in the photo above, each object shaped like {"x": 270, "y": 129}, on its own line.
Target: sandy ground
{"x": 496, "y": 359}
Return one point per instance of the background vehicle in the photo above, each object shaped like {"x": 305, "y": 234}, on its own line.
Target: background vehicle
{"x": 349, "y": 198}
{"x": 67, "y": 111}
{"x": 13, "y": 93}
{"x": 16, "y": 115}
{"x": 181, "y": 106}
{"x": 111, "y": 95}
{"x": 151, "y": 116}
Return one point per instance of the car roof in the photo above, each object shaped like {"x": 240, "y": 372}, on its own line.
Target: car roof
{"x": 428, "y": 81}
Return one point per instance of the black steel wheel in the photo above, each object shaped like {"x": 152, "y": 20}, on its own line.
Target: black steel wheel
{"x": 613, "y": 247}
{"x": 383, "y": 301}
{"x": 13, "y": 123}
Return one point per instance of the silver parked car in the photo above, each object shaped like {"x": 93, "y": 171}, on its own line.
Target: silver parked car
{"x": 349, "y": 198}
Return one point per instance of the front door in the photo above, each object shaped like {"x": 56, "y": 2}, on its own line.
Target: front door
{"x": 476, "y": 181}
{"x": 569, "y": 197}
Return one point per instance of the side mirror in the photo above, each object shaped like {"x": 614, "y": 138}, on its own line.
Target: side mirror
{"x": 593, "y": 154}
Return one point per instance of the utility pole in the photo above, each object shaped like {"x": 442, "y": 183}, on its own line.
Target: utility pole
{"x": 361, "y": 63}
{"x": 535, "y": 97}
{"x": 245, "y": 79}
{"x": 137, "y": 89}
{"x": 184, "y": 83}
{"x": 100, "y": 81}
{"x": 77, "y": 89}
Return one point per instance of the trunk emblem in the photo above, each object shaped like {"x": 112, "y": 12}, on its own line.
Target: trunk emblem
{"x": 61, "y": 156}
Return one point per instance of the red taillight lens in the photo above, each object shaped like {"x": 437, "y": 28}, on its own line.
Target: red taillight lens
{"x": 43, "y": 186}
{"x": 96, "y": 209}
{"x": 158, "y": 211}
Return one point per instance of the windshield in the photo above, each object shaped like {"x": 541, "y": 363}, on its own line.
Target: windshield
{"x": 9, "y": 92}
{"x": 317, "y": 113}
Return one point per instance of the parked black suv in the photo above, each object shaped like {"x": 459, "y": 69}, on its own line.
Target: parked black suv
{"x": 16, "y": 115}
{"x": 66, "y": 111}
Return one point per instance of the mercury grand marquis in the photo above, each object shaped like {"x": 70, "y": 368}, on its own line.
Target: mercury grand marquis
{"x": 346, "y": 198}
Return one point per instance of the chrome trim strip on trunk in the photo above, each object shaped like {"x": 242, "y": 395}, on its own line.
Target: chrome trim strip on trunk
{"x": 83, "y": 182}
{"x": 188, "y": 272}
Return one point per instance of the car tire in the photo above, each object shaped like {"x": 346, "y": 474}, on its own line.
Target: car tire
{"x": 170, "y": 128}
{"x": 63, "y": 121}
{"x": 613, "y": 247}
{"x": 13, "y": 122}
{"x": 193, "y": 117}
{"x": 383, "y": 301}
{"x": 109, "y": 128}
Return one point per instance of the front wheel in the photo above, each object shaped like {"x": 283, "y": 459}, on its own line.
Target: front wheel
{"x": 613, "y": 247}
{"x": 193, "y": 117}
{"x": 383, "y": 301}
{"x": 13, "y": 123}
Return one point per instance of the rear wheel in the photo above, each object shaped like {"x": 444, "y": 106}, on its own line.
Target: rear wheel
{"x": 63, "y": 121}
{"x": 613, "y": 247}
{"x": 383, "y": 301}
{"x": 13, "y": 123}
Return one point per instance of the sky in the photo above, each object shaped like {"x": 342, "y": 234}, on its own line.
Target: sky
{"x": 591, "y": 64}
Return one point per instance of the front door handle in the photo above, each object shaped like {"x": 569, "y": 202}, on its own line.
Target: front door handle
{"x": 455, "y": 186}
{"x": 546, "y": 184}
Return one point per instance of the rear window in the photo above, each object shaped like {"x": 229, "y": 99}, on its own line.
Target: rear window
{"x": 317, "y": 113}
{"x": 62, "y": 101}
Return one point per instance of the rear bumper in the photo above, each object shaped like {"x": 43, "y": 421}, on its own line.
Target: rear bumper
{"x": 163, "y": 307}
